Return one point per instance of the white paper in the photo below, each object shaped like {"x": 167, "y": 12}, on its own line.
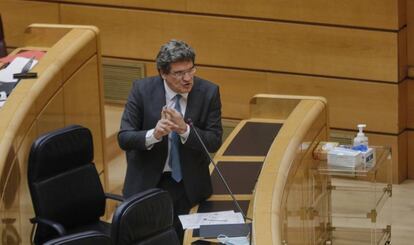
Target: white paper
{"x": 233, "y": 240}
{"x": 3, "y": 98}
{"x": 16, "y": 66}
{"x": 193, "y": 221}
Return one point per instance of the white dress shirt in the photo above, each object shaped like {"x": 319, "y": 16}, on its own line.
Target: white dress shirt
{"x": 150, "y": 139}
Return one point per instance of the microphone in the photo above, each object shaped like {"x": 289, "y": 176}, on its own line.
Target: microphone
{"x": 236, "y": 203}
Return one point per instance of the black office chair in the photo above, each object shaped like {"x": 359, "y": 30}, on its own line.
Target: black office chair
{"x": 82, "y": 238}
{"x": 3, "y": 50}
{"x": 145, "y": 219}
{"x": 66, "y": 191}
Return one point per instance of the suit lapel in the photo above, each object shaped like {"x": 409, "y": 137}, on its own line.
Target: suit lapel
{"x": 194, "y": 100}
{"x": 159, "y": 95}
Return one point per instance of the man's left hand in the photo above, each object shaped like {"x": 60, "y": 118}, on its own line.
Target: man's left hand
{"x": 176, "y": 118}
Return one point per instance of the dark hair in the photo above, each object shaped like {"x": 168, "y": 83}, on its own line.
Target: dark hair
{"x": 173, "y": 51}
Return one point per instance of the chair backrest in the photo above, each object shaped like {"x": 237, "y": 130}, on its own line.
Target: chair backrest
{"x": 82, "y": 238}
{"x": 145, "y": 218}
{"x": 63, "y": 181}
{"x": 3, "y": 50}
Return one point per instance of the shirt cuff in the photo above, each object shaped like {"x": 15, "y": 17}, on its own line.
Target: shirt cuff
{"x": 150, "y": 139}
{"x": 184, "y": 136}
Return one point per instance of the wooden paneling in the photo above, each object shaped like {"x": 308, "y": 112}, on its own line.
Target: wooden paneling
{"x": 350, "y": 102}
{"x": 176, "y": 5}
{"x": 244, "y": 84}
{"x": 410, "y": 32}
{"x": 410, "y": 157}
{"x": 252, "y": 44}
{"x": 17, "y": 15}
{"x": 383, "y": 14}
{"x": 402, "y": 12}
{"x": 402, "y": 54}
{"x": 402, "y": 105}
{"x": 400, "y": 164}
{"x": 410, "y": 104}
{"x": 365, "y": 101}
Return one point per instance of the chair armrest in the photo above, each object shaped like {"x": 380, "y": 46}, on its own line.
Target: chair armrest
{"x": 115, "y": 197}
{"x": 58, "y": 227}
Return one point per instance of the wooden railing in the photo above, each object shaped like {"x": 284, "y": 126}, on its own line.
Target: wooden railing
{"x": 267, "y": 161}
{"x": 287, "y": 205}
{"x": 68, "y": 90}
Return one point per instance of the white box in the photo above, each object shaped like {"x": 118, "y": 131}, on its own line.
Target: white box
{"x": 369, "y": 158}
{"x": 343, "y": 157}
{"x": 321, "y": 150}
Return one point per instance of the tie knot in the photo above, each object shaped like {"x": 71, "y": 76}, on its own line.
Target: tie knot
{"x": 177, "y": 97}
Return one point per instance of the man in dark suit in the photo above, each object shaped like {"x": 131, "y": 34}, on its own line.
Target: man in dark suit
{"x": 161, "y": 148}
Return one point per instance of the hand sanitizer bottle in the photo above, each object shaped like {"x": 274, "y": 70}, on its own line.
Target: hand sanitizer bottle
{"x": 361, "y": 139}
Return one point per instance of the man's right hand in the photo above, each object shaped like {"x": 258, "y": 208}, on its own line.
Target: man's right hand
{"x": 163, "y": 128}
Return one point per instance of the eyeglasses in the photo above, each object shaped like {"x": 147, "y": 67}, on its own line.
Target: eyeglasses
{"x": 181, "y": 74}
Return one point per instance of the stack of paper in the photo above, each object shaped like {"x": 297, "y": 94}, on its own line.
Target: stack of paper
{"x": 193, "y": 221}
{"x": 344, "y": 158}
{"x": 7, "y": 82}
{"x": 16, "y": 66}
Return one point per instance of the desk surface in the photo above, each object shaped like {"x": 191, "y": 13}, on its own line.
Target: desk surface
{"x": 239, "y": 160}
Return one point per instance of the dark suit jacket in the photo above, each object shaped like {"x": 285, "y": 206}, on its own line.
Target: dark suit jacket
{"x": 142, "y": 112}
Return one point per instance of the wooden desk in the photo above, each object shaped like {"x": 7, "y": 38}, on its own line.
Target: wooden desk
{"x": 68, "y": 90}
{"x": 267, "y": 161}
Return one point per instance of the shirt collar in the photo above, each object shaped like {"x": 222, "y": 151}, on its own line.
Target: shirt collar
{"x": 170, "y": 94}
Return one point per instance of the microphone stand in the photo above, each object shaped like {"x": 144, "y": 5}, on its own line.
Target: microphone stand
{"x": 190, "y": 122}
